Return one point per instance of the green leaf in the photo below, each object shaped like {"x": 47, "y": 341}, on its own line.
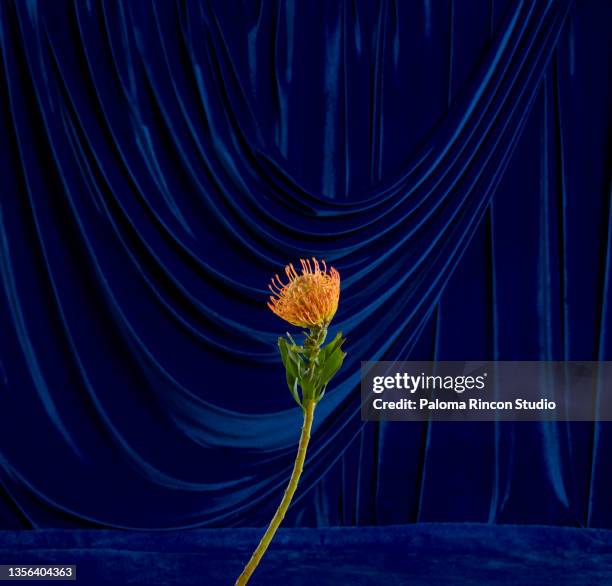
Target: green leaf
{"x": 331, "y": 347}
{"x": 329, "y": 368}
{"x": 309, "y": 388}
{"x": 295, "y": 393}
{"x": 294, "y": 345}
{"x": 292, "y": 368}
{"x": 289, "y": 365}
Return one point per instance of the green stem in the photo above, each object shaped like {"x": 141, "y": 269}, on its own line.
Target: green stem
{"x": 298, "y": 466}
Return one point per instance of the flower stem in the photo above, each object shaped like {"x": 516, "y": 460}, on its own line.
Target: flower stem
{"x": 298, "y": 466}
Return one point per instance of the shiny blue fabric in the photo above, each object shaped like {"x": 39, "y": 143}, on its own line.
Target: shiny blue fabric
{"x": 160, "y": 160}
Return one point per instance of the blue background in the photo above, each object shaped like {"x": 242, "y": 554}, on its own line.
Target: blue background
{"x": 161, "y": 160}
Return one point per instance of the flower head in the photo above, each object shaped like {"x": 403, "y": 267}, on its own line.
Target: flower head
{"x": 309, "y": 300}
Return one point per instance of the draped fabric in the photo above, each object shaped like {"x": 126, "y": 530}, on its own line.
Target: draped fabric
{"x": 161, "y": 160}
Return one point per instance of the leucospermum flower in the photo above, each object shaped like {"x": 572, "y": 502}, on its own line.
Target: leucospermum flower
{"x": 309, "y": 299}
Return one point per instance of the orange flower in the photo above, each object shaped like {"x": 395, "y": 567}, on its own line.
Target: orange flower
{"x": 309, "y": 300}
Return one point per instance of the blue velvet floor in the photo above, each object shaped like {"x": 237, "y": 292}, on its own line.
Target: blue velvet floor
{"x": 432, "y": 554}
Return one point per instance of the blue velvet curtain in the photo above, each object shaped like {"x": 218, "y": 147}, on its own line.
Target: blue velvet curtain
{"x": 160, "y": 160}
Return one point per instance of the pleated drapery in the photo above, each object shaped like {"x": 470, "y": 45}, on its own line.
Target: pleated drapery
{"x": 161, "y": 160}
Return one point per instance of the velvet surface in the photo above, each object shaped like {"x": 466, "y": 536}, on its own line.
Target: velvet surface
{"x": 160, "y": 160}
{"x": 415, "y": 555}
